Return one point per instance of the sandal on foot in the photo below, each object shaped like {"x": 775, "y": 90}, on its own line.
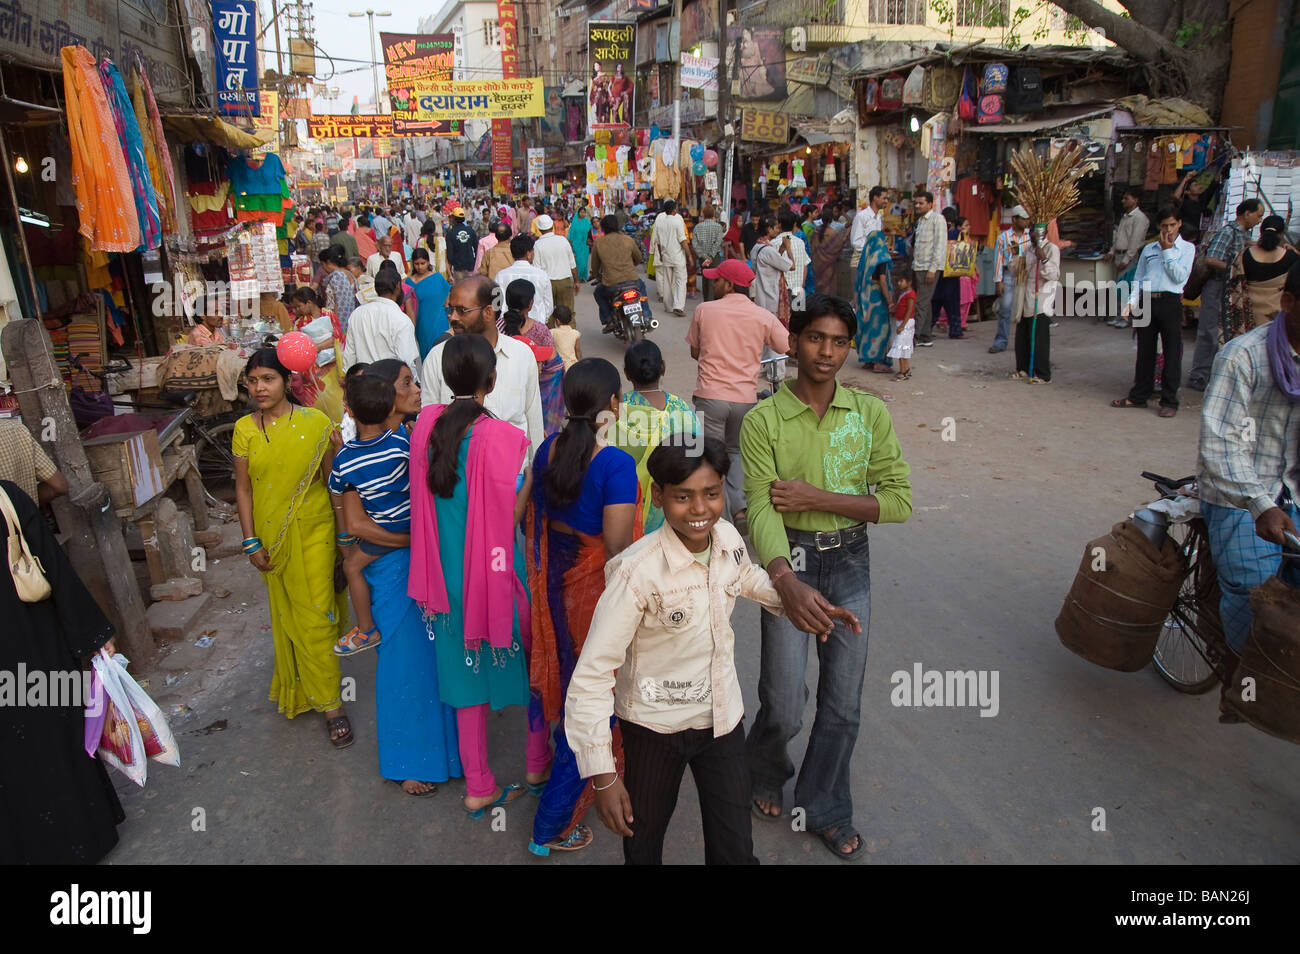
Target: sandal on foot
{"x": 1017, "y": 375}
{"x": 345, "y": 737}
{"x": 357, "y": 642}
{"x": 1124, "y": 402}
{"x": 536, "y": 788}
{"x": 576, "y": 840}
{"x": 425, "y": 794}
{"x": 759, "y": 813}
{"x": 836, "y": 838}
{"x": 508, "y": 794}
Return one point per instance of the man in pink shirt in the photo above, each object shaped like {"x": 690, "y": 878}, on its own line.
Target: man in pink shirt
{"x": 727, "y": 337}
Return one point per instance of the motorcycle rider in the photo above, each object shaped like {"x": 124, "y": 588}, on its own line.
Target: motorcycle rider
{"x": 614, "y": 258}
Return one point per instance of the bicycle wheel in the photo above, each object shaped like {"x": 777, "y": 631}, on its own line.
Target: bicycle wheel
{"x": 216, "y": 463}
{"x": 1190, "y": 650}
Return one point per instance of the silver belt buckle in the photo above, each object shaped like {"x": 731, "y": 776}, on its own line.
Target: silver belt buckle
{"x": 831, "y": 535}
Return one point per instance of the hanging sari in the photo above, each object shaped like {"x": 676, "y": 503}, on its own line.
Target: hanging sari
{"x": 641, "y": 428}
{"x": 873, "y": 311}
{"x": 293, "y": 517}
{"x": 579, "y": 232}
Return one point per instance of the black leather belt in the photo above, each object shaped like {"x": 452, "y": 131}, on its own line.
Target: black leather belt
{"x": 827, "y": 539}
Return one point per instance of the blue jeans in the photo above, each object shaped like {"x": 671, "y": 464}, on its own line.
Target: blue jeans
{"x": 1003, "y": 336}
{"x": 1243, "y": 562}
{"x": 822, "y": 790}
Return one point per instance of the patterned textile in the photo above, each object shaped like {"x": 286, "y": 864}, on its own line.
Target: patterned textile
{"x": 128, "y": 132}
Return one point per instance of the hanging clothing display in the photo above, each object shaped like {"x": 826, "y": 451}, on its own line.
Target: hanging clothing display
{"x": 128, "y": 133}
{"x": 100, "y": 175}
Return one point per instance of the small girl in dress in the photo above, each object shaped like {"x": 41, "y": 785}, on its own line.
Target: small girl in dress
{"x": 565, "y": 334}
{"x": 905, "y": 325}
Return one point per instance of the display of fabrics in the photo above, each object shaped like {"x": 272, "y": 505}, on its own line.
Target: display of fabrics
{"x": 267, "y": 178}
{"x": 137, "y": 165}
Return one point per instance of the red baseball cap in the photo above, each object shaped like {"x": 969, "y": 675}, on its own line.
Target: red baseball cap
{"x": 540, "y": 352}
{"x": 734, "y": 271}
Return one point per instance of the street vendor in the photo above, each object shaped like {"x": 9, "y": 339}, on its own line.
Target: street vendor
{"x": 208, "y": 330}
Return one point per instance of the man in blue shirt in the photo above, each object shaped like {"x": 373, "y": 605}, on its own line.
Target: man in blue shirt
{"x": 1162, "y": 271}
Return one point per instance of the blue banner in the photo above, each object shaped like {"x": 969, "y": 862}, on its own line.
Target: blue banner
{"x": 234, "y": 27}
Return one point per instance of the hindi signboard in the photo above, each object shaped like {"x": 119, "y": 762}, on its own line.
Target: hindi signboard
{"x": 700, "y": 72}
{"x": 482, "y": 99}
{"x": 234, "y": 29}
{"x": 536, "y": 171}
{"x": 409, "y": 57}
{"x": 612, "y": 48}
{"x": 346, "y": 126}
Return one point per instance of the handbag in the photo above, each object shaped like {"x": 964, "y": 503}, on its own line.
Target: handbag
{"x": 961, "y": 260}
{"x": 28, "y": 574}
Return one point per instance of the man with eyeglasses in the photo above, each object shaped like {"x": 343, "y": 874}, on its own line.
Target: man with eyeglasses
{"x": 516, "y": 397}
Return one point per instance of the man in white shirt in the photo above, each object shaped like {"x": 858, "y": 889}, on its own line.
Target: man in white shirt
{"x": 380, "y": 329}
{"x": 929, "y": 255}
{"x": 673, "y": 255}
{"x": 794, "y": 279}
{"x": 1130, "y": 236}
{"x": 868, "y": 220}
{"x": 772, "y": 259}
{"x": 516, "y": 396}
{"x": 385, "y": 253}
{"x": 521, "y": 247}
{"x": 411, "y": 226}
{"x": 554, "y": 255}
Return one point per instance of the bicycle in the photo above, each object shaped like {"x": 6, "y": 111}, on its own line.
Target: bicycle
{"x": 1191, "y": 653}
{"x": 210, "y": 436}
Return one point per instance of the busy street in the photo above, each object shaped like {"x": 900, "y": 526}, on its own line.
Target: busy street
{"x": 692, "y": 432}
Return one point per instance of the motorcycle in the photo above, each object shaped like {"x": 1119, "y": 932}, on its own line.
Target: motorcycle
{"x": 630, "y": 313}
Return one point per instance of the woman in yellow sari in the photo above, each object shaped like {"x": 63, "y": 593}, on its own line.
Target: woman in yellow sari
{"x": 283, "y": 454}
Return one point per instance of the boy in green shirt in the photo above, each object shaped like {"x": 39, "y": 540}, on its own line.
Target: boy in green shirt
{"x": 811, "y": 454}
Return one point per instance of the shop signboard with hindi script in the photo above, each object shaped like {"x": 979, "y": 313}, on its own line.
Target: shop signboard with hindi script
{"x": 764, "y": 125}
{"x": 700, "y": 72}
{"x": 482, "y": 99}
{"x": 810, "y": 70}
{"x": 611, "y": 47}
{"x": 234, "y": 33}
{"x": 268, "y": 121}
{"x": 409, "y": 57}
{"x": 347, "y": 126}
{"x": 502, "y": 145}
{"x": 536, "y": 171}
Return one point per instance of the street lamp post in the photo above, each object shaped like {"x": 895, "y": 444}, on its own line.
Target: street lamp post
{"x": 374, "y": 75}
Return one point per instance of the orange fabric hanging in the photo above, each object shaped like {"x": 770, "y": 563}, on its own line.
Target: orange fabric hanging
{"x": 105, "y": 206}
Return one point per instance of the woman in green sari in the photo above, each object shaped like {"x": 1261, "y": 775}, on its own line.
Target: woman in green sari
{"x": 579, "y": 234}
{"x": 283, "y": 454}
{"x": 874, "y": 304}
{"x": 648, "y": 414}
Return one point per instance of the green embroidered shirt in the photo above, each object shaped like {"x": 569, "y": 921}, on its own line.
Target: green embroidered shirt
{"x": 849, "y": 451}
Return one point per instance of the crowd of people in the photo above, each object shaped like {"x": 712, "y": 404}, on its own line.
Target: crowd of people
{"x": 510, "y": 524}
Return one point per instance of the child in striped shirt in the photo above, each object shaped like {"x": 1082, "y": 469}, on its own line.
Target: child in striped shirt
{"x": 376, "y": 467}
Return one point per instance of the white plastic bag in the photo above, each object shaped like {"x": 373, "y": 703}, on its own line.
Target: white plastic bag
{"x": 319, "y": 330}
{"x": 135, "y": 729}
{"x": 120, "y": 746}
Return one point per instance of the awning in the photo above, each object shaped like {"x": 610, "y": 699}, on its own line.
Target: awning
{"x": 190, "y": 127}
{"x": 1025, "y": 127}
{"x": 822, "y": 138}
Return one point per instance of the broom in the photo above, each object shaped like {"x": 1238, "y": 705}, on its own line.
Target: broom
{"x": 1047, "y": 188}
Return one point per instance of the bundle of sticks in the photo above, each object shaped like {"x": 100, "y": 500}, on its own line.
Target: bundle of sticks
{"x": 1047, "y": 187}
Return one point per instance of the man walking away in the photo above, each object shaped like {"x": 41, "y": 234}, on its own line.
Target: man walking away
{"x": 498, "y": 256}
{"x": 929, "y": 255}
{"x": 672, "y": 257}
{"x": 521, "y": 248}
{"x": 706, "y": 243}
{"x": 727, "y": 337}
{"x": 812, "y": 452}
{"x": 462, "y": 247}
{"x": 1221, "y": 250}
{"x": 554, "y": 255}
{"x": 1130, "y": 236}
{"x": 380, "y": 329}
{"x": 1163, "y": 268}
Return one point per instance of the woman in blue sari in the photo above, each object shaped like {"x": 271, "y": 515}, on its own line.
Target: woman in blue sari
{"x": 874, "y": 303}
{"x": 426, "y": 301}
{"x": 579, "y": 233}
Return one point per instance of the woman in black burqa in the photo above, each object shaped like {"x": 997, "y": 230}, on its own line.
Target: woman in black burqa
{"x": 57, "y": 805}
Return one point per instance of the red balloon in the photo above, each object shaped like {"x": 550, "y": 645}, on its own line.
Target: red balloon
{"x": 710, "y": 158}
{"x": 296, "y": 351}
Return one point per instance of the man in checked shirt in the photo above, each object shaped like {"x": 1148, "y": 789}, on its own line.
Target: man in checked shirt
{"x": 1249, "y": 458}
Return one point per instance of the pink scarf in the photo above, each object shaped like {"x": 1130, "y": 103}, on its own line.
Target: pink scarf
{"x": 492, "y": 591}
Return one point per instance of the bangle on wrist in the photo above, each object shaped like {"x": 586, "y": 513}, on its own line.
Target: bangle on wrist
{"x": 601, "y": 788}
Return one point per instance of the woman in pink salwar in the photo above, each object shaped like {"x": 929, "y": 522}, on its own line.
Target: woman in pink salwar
{"x": 466, "y": 572}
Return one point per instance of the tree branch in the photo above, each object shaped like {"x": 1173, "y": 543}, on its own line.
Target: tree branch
{"x": 1143, "y": 42}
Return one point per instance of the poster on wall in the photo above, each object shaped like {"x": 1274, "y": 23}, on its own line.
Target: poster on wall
{"x": 612, "y": 48}
{"x": 699, "y": 23}
{"x": 536, "y": 171}
{"x": 756, "y": 62}
{"x": 409, "y": 57}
